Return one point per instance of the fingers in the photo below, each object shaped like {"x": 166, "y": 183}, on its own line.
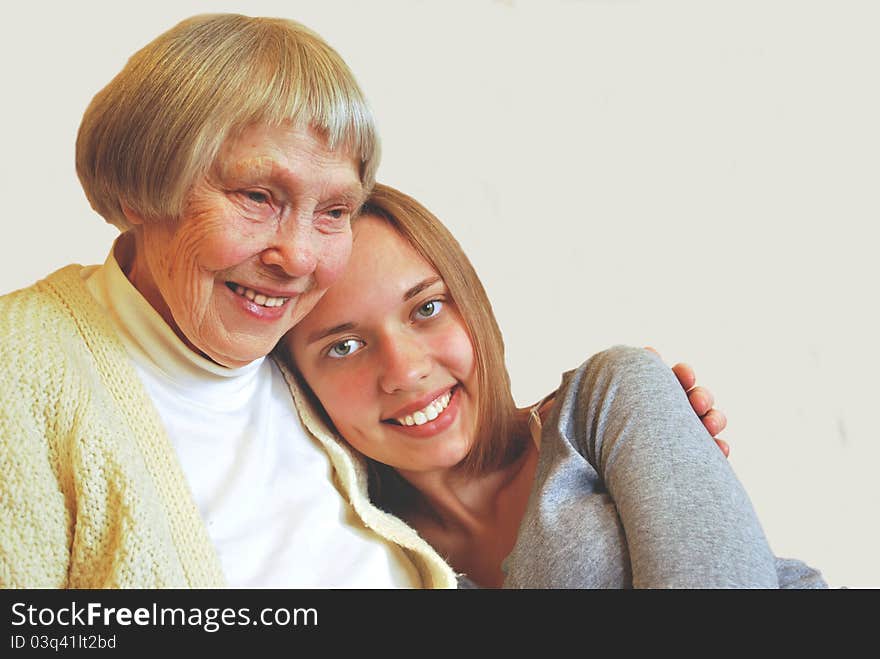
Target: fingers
{"x": 701, "y": 400}
{"x": 725, "y": 449}
{"x": 685, "y": 375}
{"x": 714, "y": 421}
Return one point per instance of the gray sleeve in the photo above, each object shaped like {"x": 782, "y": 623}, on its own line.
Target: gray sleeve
{"x": 793, "y": 574}
{"x": 688, "y": 521}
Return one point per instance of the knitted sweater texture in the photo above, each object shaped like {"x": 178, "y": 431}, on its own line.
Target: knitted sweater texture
{"x": 92, "y": 495}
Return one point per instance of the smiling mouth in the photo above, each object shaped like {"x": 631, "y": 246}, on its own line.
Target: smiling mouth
{"x": 255, "y": 296}
{"x": 428, "y": 413}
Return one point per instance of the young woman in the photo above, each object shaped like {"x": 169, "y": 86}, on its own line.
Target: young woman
{"x": 607, "y": 482}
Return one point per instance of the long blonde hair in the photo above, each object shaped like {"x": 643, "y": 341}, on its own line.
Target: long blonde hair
{"x": 500, "y": 428}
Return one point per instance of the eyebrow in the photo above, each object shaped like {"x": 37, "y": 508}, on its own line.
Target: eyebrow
{"x": 418, "y": 288}
{"x": 252, "y": 169}
{"x": 355, "y": 192}
{"x": 338, "y": 329}
{"x": 347, "y": 327}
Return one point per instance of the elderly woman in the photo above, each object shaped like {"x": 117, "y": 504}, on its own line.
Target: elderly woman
{"x": 145, "y": 438}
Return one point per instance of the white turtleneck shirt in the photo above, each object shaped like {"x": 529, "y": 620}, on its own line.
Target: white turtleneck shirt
{"x": 263, "y": 485}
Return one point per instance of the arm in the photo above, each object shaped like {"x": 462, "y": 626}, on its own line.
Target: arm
{"x": 688, "y": 521}
{"x": 34, "y": 542}
{"x": 34, "y": 516}
{"x": 36, "y": 484}
{"x": 701, "y": 400}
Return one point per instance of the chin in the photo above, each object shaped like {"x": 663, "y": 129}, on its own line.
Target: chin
{"x": 235, "y": 357}
{"x": 448, "y": 460}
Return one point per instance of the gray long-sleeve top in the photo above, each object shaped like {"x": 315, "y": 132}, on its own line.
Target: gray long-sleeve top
{"x": 631, "y": 492}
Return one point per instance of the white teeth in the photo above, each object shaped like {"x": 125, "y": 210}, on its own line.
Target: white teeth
{"x": 259, "y": 298}
{"x": 430, "y": 412}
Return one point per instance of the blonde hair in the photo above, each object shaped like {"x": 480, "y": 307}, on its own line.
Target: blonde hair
{"x": 500, "y": 426}
{"x": 158, "y": 126}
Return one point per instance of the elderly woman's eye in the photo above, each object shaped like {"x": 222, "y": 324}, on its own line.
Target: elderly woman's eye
{"x": 257, "y": 196}
{"x": 336, "y": 213}
{"x": 429, "y": 309}
{"x": 345, "y": 348}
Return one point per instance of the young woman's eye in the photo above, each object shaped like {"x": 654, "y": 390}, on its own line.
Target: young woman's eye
{"x": 345, "y": 348}
{"x": 429, "y": 309}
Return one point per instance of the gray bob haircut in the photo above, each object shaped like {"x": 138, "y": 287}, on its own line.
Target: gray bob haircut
{"x": 157, "y": 128}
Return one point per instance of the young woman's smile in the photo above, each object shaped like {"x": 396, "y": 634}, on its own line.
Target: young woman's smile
{"x": 430, "y": 419}
{"x": 389, "y": 357}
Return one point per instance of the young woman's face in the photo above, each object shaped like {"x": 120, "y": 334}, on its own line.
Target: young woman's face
{"x": 387, "y": 354}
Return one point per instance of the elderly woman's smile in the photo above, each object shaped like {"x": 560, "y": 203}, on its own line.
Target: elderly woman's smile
{"x": 261, "y": 299}
{"x": 152, "y": 444}
{"x": 260, "y": 239}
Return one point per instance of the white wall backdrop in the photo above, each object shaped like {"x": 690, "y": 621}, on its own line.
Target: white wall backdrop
{"x": 701, "y": 176}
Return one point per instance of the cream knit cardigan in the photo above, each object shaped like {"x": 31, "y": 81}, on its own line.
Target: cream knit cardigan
{"x": 91, "y": 493}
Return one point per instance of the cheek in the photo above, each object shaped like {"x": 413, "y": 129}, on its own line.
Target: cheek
{"x": 214, "y": 249}
{"x": 186, "y": 266}
{"x": 214, "y": 237}
{"x": 334, "y": 256}
{"x": 457, "y": 352}
{"x": 223, "y": 257}
{"x": 345, "y": 395}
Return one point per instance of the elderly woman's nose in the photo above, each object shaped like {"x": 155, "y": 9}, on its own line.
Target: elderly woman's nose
{"x": 405, "y": 363}
{"x": 294, "y": 252}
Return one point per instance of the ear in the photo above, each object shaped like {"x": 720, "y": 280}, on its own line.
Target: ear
{"x": 134, "y": 218}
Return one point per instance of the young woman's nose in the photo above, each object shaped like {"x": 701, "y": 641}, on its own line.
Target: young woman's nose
{"x": 405, "y": 362}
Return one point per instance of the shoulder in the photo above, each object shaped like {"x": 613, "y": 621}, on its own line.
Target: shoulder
{"x": 44, "y": 330}
{"x": 39, "y": 381}
{"x": 620, "y": 368}
{"x": 622, "y": 358}
{"x": 59, "y": 298}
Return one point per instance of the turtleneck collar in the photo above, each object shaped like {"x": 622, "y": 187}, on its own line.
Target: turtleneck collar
{"x": 149, "y": 338}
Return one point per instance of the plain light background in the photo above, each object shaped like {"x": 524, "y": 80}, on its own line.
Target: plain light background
{"x": 700, "y": 176}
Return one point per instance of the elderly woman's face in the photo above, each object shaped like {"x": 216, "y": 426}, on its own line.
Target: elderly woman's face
{"x": 259, "y": 242}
